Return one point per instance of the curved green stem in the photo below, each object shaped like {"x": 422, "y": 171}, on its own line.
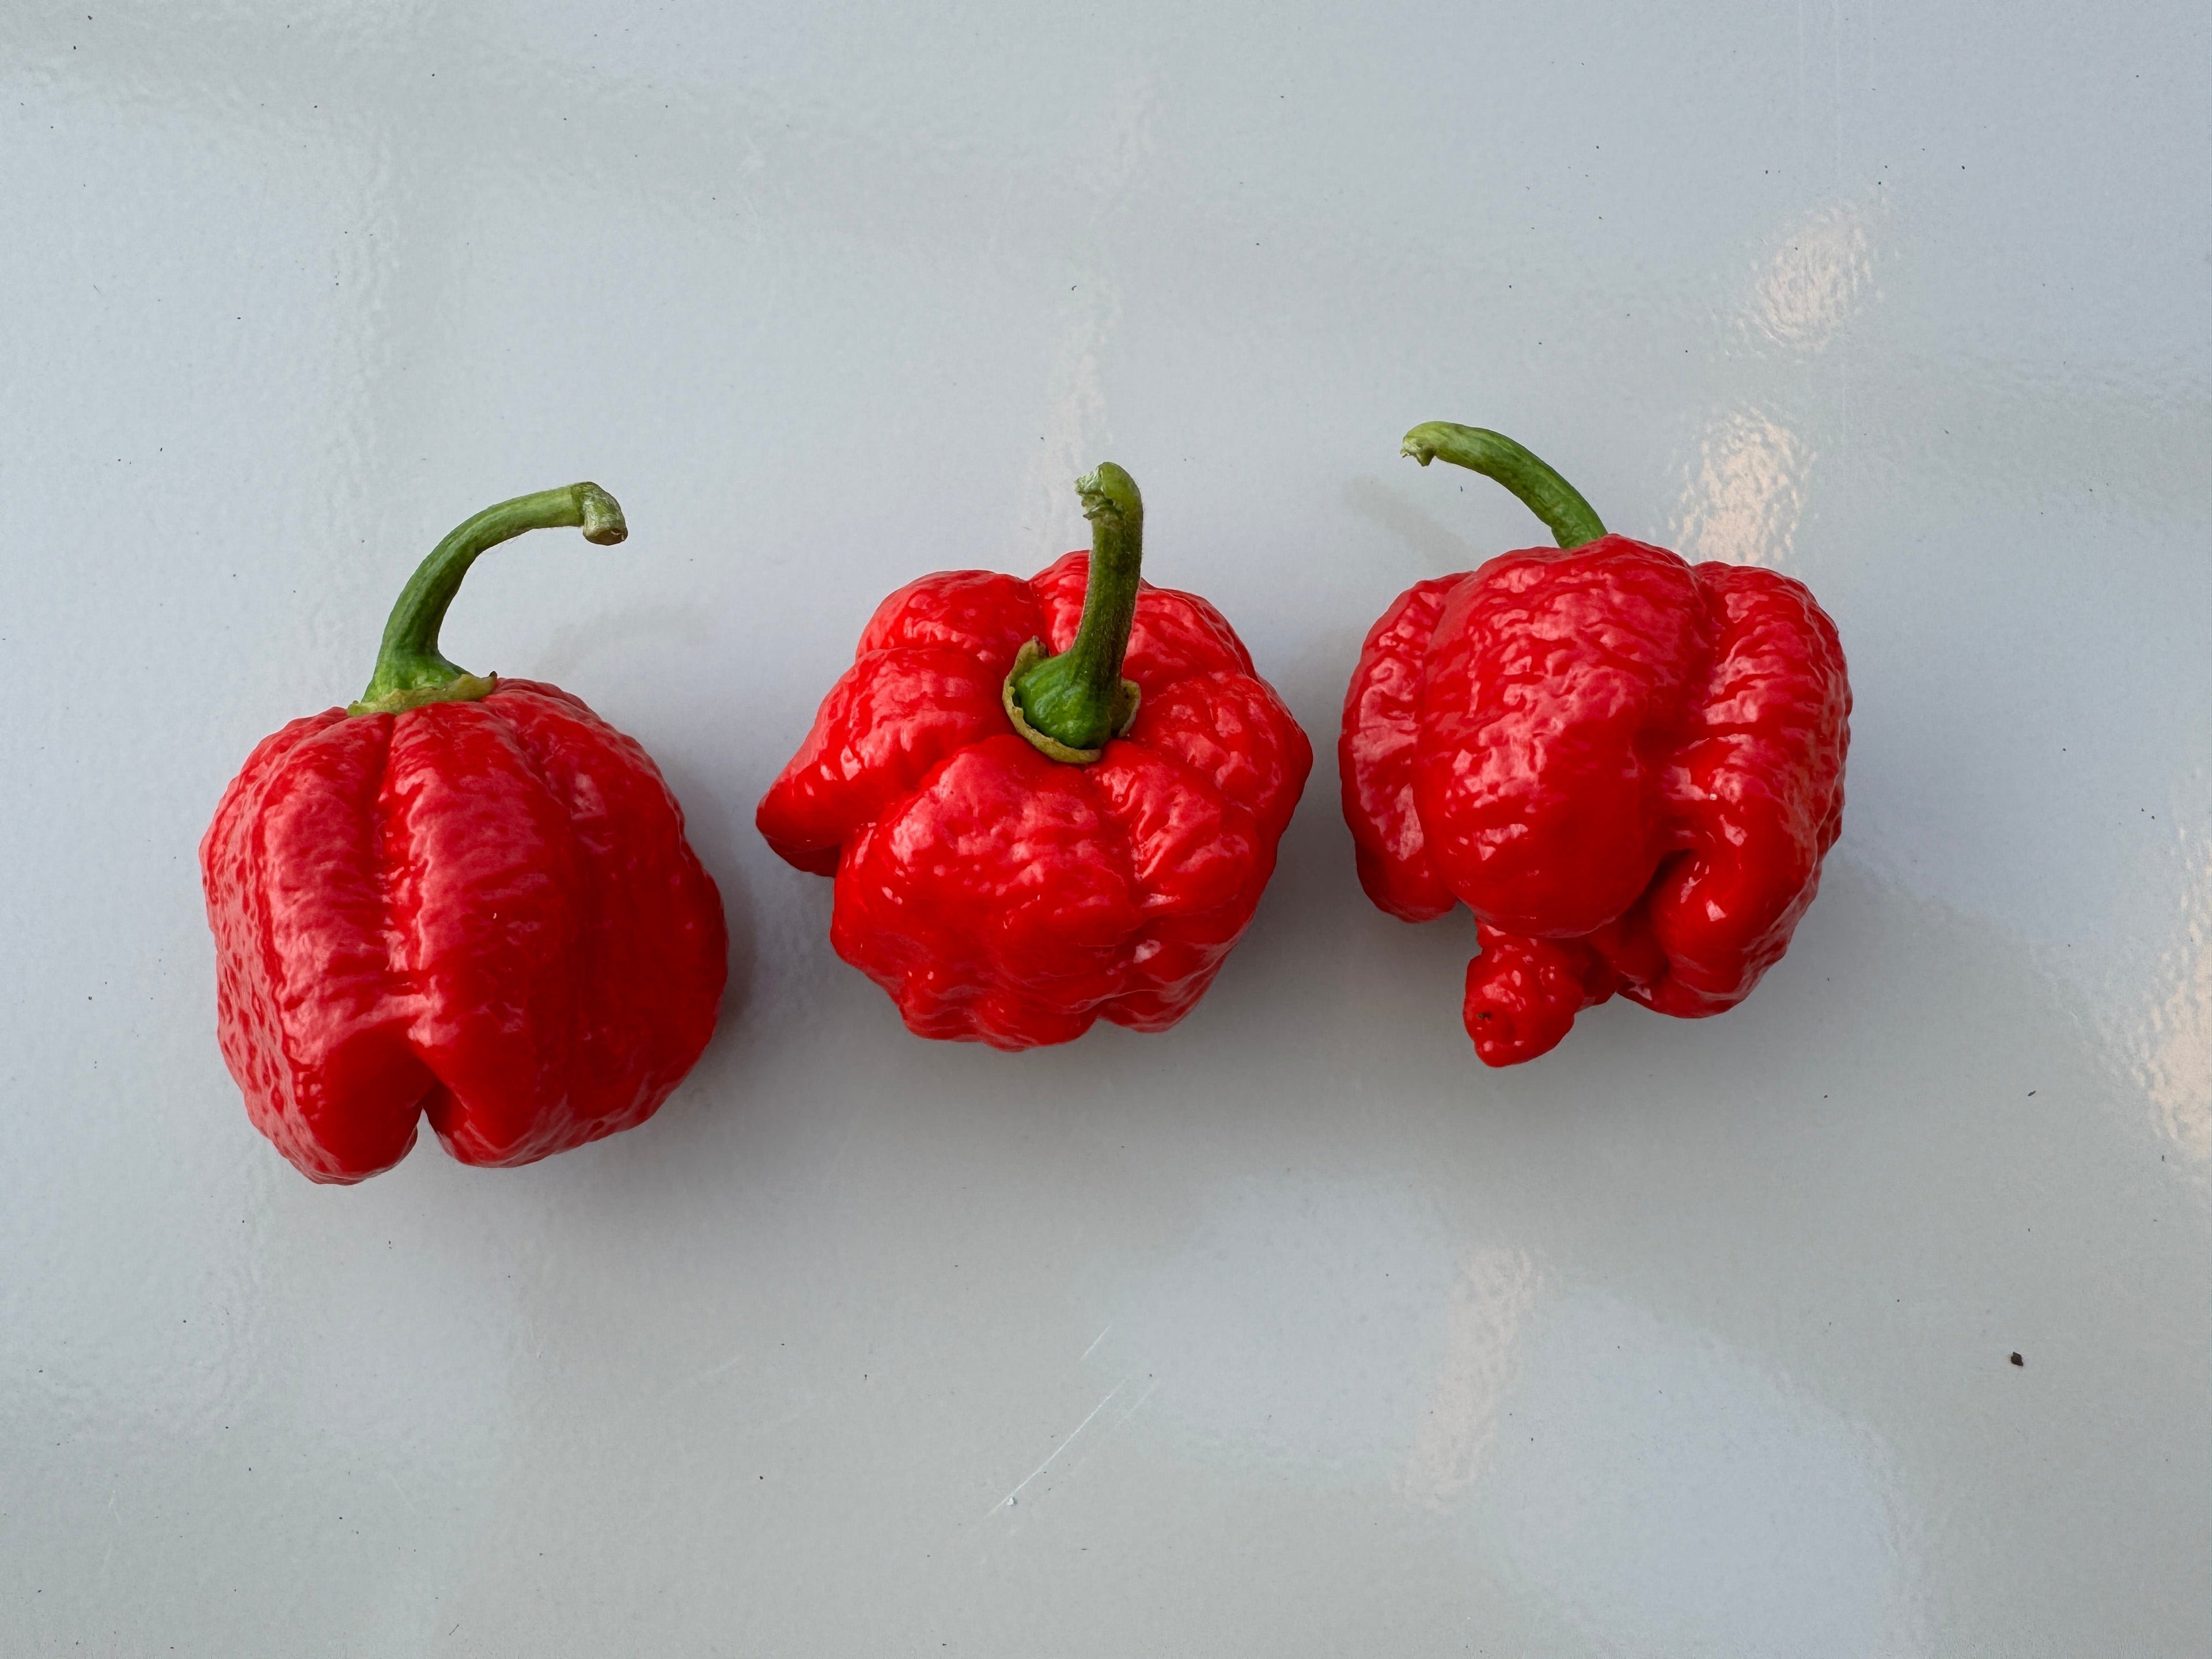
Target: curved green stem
{"x": 409, "y": 669}
{"x": 1570, "y": 519}
{"x": 1070, "y": 704}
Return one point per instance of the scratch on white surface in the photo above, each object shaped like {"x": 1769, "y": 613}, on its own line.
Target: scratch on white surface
{"x": 1008, "y": 1499}
{"x": 1095, "y": 1341}
{"x": 772, "y": 1425}
{"x": 404, "y": 1498}
{"x": 844, "y": 1143}
{"x": 804, "y": 1409}
{"x": 708, "y": 1375}
{"x": 1135, "y": 1406}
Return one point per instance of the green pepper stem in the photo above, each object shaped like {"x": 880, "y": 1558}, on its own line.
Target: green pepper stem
{"x": 409, "y": 669}
{"x": 1070, "y": 704}
{"x": 1570, "y": 519}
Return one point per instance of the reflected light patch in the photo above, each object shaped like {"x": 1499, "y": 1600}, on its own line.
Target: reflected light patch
{"x": 1675, "y": 1496}
{"x": 1815, "y": 278}
{"x": 2175, "y": 1063}
{"x": 1484, "y": 1313}
{"x": 1077, "y": 434}
{"x": 1746, "y": 489}
{"x": 1746, "y": 493}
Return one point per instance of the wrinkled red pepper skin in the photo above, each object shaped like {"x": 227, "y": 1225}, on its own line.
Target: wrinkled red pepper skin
{"x": 483, "y": 912}
{"x": 1006, "y": 897}
{"x": 1628, "y": 767}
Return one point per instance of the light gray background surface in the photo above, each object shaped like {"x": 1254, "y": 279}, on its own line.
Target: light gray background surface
{"x": 1293, "y": 1331}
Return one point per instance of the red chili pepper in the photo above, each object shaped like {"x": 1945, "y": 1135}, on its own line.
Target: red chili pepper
{"x": 1024, "y": 841}
{"x": 463, "y": 896}
{"x": 1628, "y": 767}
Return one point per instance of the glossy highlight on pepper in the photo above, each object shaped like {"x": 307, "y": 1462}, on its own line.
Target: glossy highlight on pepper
{"x": 1628, "y": 767}
{"x": 463, "y": 897}
{"x": 1043, "y": 802}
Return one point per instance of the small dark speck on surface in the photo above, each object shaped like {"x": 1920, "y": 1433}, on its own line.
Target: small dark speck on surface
{"x": 2017, "y": 1360}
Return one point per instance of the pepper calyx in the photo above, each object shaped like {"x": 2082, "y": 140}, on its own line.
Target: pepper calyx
{"x": 468, "y": 688}
{"x": 1067, "y": 706}
{"x": 1028, "y": 656}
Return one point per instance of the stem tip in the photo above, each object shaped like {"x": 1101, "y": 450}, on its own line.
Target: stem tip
{"x": 603, "y": 515}
{"x": 1107, "y": 491}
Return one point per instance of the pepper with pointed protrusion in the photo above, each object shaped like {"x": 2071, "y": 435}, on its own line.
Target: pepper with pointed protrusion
{"x": 1043, "y": 801}
{"x": 1627, "y": 766}
{"x": 462, "y": 897}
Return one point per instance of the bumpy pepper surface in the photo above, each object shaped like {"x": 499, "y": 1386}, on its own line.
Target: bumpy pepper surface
{"x": 1627, "y": 766}
{"x": 1024, "y": 841}
{"x": 462, "y": 897}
